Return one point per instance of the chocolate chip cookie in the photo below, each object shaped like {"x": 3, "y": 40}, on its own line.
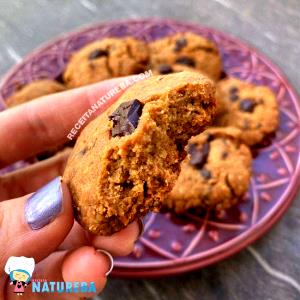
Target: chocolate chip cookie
{"x": 253, "y": 109}
{"x": 127, "y": 160}
{"x": 104, "y": 59}
{"x": 215, "y": 174}
{"x": 187, "y": 49}
{"x": 164, "y": 69}
{"x": 34, "y": 90}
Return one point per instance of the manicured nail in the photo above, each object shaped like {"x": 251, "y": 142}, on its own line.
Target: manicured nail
{"x": 44, "y": 205}
{"x": 141, "y": 227}
{"x": 110, "y": 258}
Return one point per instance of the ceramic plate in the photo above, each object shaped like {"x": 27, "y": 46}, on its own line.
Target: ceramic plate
{"x": 172, "y": 244}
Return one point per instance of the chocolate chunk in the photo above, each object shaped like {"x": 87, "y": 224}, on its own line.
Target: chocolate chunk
{"x": 97, "y": 53}
{"x": 206, "y": 174}
{"x": 198, "y": 156}
{"x": 185, "y": 60}
{"x": 179, "y": 44}
{"x": 126, "y": 117}
{"x": 247, "y": 105}
{"x": 165, "y": 69}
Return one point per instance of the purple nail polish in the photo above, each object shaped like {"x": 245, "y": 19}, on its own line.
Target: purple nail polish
{"x": 44, "y": 205}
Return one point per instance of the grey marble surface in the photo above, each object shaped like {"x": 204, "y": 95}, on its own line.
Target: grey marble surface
{"x": 270, "y": 268}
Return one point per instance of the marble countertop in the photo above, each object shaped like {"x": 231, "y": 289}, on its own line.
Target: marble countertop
{"x": 270, "y": 268}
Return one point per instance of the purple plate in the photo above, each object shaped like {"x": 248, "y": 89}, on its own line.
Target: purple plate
{"x": 172, "y": 244}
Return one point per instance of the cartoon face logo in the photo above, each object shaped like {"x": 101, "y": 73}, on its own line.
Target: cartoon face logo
{"x": 20, "y": 271}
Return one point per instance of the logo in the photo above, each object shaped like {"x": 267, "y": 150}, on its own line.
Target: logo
{"x": 20, "y": 271}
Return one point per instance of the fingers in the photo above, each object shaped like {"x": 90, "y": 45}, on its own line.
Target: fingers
{"x": 36, "y": 126}
{"x": 119, "y": 244}
{"x": 34, "y": 226}
{"x": 31, "y": 178}
{"x": 81, "y": 265}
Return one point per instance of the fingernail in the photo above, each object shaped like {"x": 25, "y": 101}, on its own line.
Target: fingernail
{"x": 44, "y": 205}
{"x": 141, "y": 227}
{"x": 111, "y": 260}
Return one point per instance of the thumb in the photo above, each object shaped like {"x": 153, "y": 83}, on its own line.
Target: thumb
{"x": 35, "y": 225}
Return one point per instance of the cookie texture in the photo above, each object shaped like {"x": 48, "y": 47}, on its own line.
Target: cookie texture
{"x": 215, "y": 174}
{"x": 104, "y": 59}
{"x": 253, "y": 109}
{"x": 187, "y": 49}
{"x": 127, "y": 160}
{"x": 34, "y": 90}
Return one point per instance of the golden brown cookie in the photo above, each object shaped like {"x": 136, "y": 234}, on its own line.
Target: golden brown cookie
{"x": 164, "y": 69}
{"x": 34, "y": 90}
{"x": 253, "y": 109}
{"x": 187, "y": 49}
{"x": 215, "y": 174}
{"x": 127, "y": 160}
{"x": 104, "y": 59}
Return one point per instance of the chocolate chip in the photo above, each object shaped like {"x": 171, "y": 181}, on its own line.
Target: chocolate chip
{"x": 126, "y": 117}
{"x": 165, "y": 69}
{"x": 233, "y": 90}
{"x": 234, "y": 97}
{"x": 185, "y": 60}
{"x": 206, "y": 174}
{"x": 97, "y": 53}
{"x": 247, "y": 105}
{"x": 198, "y": 156}
{"x": 179, "y": 44}
{"x": 224, "y": 155}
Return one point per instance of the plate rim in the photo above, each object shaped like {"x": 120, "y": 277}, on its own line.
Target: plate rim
{"x": 252, "y": 233}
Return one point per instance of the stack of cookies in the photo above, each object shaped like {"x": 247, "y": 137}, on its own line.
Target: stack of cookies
{"x": 216, "y": 172}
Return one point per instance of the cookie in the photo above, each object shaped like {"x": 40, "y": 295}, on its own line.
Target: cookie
{"x": 34, "y": 90}
{"x": 104, "y": 59}
{"x": 189, "y": 50}
{"x": 215, "y": 174}
{"x": 164, "y": 69}
{"x": 253, "y": 109}
{"x": 127, "y": 160}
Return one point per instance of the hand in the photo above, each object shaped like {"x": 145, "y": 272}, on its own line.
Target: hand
{"x": 41, "y": 225}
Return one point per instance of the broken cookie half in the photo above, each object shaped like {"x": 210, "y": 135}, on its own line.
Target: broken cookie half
{"x": 127, "y": 160}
